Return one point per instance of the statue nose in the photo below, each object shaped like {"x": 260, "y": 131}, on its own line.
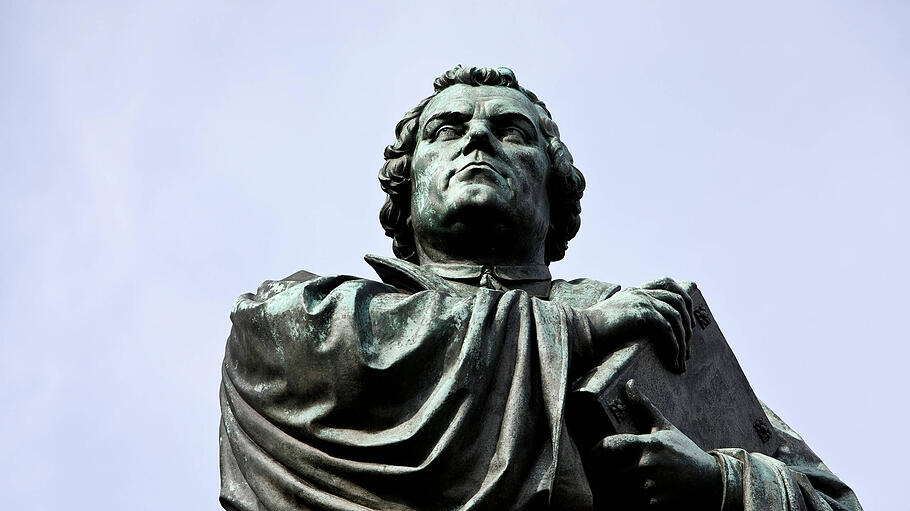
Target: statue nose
{"x": 479, "y": 138}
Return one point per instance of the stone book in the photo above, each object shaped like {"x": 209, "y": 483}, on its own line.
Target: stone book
{"x": 711, "y": 402}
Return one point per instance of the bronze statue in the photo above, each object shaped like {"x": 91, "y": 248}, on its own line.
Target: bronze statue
{"x": 446, "y": 385}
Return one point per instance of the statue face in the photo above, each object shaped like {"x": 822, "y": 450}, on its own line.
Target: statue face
{"x": 480, "y": 164}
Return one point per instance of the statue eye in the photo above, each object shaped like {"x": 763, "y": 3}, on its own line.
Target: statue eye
{"x": 446, "y": 132}
{"x": 513, "y": 133}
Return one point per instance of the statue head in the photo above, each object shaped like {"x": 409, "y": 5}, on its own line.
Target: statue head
{"x": 478, "y": 172}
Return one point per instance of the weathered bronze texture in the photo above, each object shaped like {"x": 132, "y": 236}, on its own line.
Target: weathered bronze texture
{"x": 469, "y": 379}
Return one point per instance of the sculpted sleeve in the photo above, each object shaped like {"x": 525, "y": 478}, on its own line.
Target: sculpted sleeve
{"x": 342, "y": 393}
{"x": 794, "y": 479}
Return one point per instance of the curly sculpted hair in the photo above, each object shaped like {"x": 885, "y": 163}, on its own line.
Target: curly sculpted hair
{"x": 565, "y": 186}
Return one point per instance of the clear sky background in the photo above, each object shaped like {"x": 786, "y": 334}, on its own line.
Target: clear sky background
{"x": 161, "y": 158}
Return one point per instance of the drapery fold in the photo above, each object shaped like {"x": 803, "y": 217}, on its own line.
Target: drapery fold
{"x": 342, "y": 393}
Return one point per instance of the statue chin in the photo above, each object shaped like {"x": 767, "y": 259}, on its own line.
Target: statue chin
{"x": 483, "y": 201}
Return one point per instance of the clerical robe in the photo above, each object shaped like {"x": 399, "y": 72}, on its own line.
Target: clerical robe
{"x": 423, "y": 393}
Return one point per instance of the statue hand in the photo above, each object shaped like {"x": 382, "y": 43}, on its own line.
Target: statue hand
{"x": 661, "y": 469}
{"x": 660, "y": 310}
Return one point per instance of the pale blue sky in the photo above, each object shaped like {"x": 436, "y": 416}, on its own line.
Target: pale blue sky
{"x": 160, "y": 159}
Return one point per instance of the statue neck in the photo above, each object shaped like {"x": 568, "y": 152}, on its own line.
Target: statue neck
{"x": 479, "y": 252}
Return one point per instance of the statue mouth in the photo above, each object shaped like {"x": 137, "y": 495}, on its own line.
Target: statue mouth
{"x": 479, "y": 167}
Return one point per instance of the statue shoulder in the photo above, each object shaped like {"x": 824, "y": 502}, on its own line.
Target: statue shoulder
{"x": 308, "y": 287}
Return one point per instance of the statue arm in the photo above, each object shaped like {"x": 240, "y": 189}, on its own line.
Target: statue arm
{"x": 795, "y": 478}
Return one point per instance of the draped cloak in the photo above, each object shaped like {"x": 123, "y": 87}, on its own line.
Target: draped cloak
{"x": 340, "y": 393}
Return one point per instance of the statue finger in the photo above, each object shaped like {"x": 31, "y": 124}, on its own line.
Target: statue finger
{"x": 619, "y": 453}
{"x": 668, "y": 284}
{"x": 669, "y": 324}
{"x": 645, "y": 409}
{"x": 668, "y": 297}
{"x": 683, "y": 306}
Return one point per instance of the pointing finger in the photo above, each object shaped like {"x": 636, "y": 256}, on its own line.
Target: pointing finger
{"x": 652, "y": 415}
